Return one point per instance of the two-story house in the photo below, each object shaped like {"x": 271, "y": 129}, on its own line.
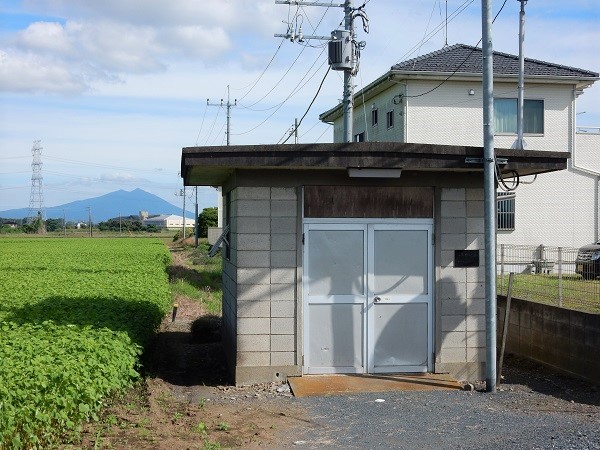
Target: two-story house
{"x": 437, "y": 99}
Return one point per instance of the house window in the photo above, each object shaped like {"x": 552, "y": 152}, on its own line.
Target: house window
{"x": 505, "y": 203}
{"x": 390, "y": 119}
{"x": 360, "y": 137}
{"x": 505, "y": 116}
{"x": 374, "y": 117}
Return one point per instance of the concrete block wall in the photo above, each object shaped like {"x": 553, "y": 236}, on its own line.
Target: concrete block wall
{"x": 229, "y": 308}
{"x": 561, "y": 338}
{"x": 263, "y": 256}
{"x": 460, "y": 292}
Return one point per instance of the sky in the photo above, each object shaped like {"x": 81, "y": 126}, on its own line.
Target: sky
{"x": 114, "y": 89}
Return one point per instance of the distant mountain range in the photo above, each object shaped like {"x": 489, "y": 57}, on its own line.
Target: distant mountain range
{"x": 114, "y": 204}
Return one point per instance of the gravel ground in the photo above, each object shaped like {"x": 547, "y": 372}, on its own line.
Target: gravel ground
{"x": 533, "y": 409}
{"x": 443, "y": 420}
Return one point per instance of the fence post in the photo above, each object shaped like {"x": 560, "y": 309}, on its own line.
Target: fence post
{"x": 560, "y": 278}
{"x": 501, "y": 269}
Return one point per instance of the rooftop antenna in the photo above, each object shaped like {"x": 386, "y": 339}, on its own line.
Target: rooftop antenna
{"x": 446, "y": 25}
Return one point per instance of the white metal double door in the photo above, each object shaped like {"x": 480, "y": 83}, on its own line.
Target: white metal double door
{"x": 368, "y": 296}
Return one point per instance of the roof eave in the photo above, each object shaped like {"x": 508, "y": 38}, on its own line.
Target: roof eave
{"x": 212, "y": 166}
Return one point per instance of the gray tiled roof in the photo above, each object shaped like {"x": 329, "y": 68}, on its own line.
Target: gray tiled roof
{"x": 466, "y": 59}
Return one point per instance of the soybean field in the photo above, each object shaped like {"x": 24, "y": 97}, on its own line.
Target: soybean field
{"x": 75, "y": 315}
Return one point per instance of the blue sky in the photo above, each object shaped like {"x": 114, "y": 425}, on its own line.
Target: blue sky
{"x": 115, "y": 88}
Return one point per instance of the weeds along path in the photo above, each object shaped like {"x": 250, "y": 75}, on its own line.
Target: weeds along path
{"x": 185, "y": 401}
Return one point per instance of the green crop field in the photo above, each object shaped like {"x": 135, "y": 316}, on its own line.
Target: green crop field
{"x": 75, "y": 315}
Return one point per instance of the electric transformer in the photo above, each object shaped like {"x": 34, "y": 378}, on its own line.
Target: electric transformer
{"x": 340, "y": 50}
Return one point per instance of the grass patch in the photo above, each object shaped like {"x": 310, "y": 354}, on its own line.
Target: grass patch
{"x": 577, "y": 293}
{"x": 202, "y": 280}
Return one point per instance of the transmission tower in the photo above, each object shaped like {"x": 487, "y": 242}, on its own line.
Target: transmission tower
{"x": 36, "y": 199}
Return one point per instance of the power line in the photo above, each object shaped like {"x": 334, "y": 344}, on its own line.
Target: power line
{"x": 289, "y": 68}
{"x": 202, "y": 124}
{"x": 90, "y": 164}
{"x": 311, "y": 103}
{"x": 212, "y": 126}
{"x": 461, "y": 64}
{"x": 426, "y": 28}
{"x": 298, "y": 89}
{"x": 276, "y": 84}
{"x": 253, "y": 84}
{"x": 295, "y": 87}
{"x": 437, "y": 29}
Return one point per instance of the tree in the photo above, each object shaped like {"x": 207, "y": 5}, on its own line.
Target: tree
{"x": 209, "y": 217}
{"x": 54, "y": 224}
{"x": 37, "y": 226}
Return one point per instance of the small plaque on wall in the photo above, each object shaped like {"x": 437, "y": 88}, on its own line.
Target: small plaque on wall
{"x": 466, "y": 258}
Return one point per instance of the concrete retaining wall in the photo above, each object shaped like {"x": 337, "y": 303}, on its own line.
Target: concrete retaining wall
{"x": 565, "y": 339}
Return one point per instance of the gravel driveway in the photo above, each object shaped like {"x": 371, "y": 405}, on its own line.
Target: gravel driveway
{"x": 533, "y": 409}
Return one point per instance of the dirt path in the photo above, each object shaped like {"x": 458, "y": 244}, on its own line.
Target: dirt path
{"x": 186, "y": 402}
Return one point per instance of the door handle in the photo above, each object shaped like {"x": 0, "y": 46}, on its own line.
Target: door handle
{"x": 377, "y": 299}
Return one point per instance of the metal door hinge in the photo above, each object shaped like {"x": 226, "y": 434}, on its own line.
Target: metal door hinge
{"x": 302, "y": 238}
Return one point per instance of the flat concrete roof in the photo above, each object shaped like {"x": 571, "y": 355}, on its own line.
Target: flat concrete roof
{"x": 212, "y": 166}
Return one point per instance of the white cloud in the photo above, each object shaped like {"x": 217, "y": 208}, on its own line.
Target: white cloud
{"x": 119, "y": 177}
{"x": 27, "y": 72}
{"x": 45, "y": 36}
{"x": 196, "y": 41}
{"x": 117, "y": 47}
{"x": 231, "y": 14}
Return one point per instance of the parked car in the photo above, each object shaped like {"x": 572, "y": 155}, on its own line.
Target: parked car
{"x": 587, "y": 263}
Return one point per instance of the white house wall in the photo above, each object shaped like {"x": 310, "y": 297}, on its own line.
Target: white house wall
{"x": 556, "y": 210}
{"x": 451, "y": 116}
{"x": 559, "y": 209}
{"x": 587, "y": 154}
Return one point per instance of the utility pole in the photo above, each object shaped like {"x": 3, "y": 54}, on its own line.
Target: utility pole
{"x": 90, "y": 219}
{"x": 196, "y": 229}
{"x": 348, "y": 102}
{"x": 182, "y": 194}
{"x": 489, "y": 196}
{"x": 521, "y": 101}
{"x": 344, "y": 51}
{"x": 228, "y": 107}
{"x": 64, "y": 223}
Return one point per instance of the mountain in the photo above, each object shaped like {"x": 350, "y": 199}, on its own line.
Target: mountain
{"x": 114, "y": 204}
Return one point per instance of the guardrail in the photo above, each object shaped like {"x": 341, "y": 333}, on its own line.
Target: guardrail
{"x": 547, "y": 275}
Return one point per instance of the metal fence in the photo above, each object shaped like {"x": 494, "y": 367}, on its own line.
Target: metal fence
{"x": 546, "y": 275}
